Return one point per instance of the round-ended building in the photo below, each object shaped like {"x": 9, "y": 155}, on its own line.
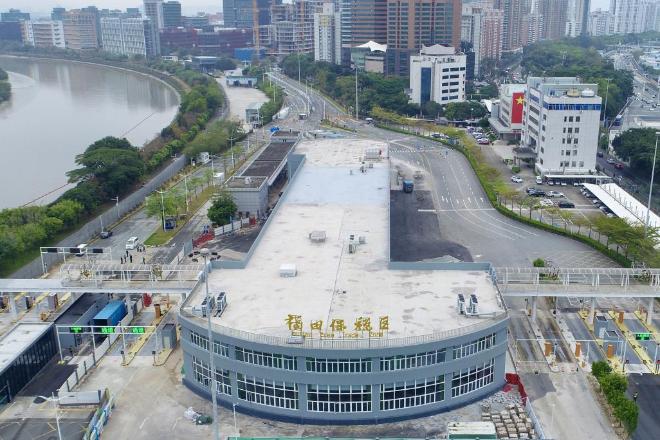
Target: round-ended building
{"x": 316, "y": 325}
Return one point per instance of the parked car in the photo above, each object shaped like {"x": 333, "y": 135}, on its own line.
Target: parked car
{"x": 531, "y": 190}
{"x": 546, "y": 202}
{"x": 563, "y": 183}
{"x": 610, "y": 161}
{"x": 555, "y": 194}
{"x": 539, "y": 180}
{"x": 483, "y": 141}
{"x": 566, "y": 204}
{"x": 600, "y": 154}
{"x": 550, "y": 182}
{"x": 516, "y": 179}
{"x": 538, "y": 194}
{"x": 618, "y": 166}
{"x": 106, "y": 234}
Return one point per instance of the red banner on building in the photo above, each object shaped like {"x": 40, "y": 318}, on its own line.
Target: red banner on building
{"x": 517, "y": 107}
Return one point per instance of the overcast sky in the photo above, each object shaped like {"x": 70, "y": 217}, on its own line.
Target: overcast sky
{"x": 188, "y": 6}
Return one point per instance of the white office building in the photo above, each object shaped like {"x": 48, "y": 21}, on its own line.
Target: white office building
{"x": 126, "y": 35}
{"x": 154, "y": 10}
{"x": 46, "y": 33}
{"x": 560, "y": 124}
{"x": 633, "y": 16}
{"x": 437, "y": 74}
{"x": 600, "y": 23}
{"x": 327, "y": 35}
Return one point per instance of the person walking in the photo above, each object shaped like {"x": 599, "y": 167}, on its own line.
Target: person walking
{"x": 635, "y": 397}
{"x": 144, "y": 260}
{"x": 131, "y": 258}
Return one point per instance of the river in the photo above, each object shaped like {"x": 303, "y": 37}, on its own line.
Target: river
{"x": 58, "y": 108}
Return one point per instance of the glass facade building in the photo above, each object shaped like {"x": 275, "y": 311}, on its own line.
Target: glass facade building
{"x": 28, "y": 360}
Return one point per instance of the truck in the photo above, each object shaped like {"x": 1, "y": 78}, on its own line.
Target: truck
{"x": 111, "y": 314}
{"x": 408, "y": 186}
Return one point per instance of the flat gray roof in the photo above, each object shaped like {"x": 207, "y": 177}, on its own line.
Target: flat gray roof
{"x": 19, "y": 339}
{"x": 261, "y": 168}
{"x": 330, "y": 194}
{"x": 238, "y": 182}
{"x": 276, "y": 151}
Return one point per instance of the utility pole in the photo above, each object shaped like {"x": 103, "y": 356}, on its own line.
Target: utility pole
{"x": 116, "y": 199}
{"x": 357, "y": 112}
{"x": 648, "y": 205}
{"x": 162, "y": 205}
{"x": 607, "y": 92}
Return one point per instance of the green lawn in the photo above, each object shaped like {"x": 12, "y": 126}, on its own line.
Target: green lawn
{"x": 160, "y": 237}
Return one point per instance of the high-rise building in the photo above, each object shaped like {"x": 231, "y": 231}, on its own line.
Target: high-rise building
{"x": 633, "y": 16}
{"x": 294, "y": 25}
{"x": 437, "y": 74}
{"x": 14, "y": 15}
{"x": 172, "y": 14}
{"x": 154, "y": 10}
{"x": 561, "y": 122}
{"x": 577, "y": 18}
{"x": 57, "y": 14}
{"x": 11, "y": 31}
{"x": 327, "y": 34}
{"x": 362, "y": 21}
{"x": 46, "y": 33}
{"x": 414, "y": 24}
{"x": 512, "y": 14}
{"x": 238, "y": 13}
{"x": 199, "y": 21}
{"x": 80, "y": 29}
{"x": 127, "y": 35}
{"x": 554, "y": 14}
{"x": 482, "y": 26}
{"x": 600, "y": 23}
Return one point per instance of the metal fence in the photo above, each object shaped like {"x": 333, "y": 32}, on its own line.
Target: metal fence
{"x": 92, "y": 228}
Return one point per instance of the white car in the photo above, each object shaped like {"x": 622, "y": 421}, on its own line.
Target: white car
{"x": 516, "y": 179}
{"x": 554, "y": 194}
{"x": 539, "y": 180}
{"x": 546, "y": 202}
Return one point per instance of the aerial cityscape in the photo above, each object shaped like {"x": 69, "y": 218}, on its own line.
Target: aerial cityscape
{"x": 338, "y": 219}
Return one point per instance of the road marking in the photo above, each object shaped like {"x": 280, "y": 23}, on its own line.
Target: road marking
{"x": 463, "y": 209}
{"x": 143, "y": 422}
{"x": 426, "y": 210}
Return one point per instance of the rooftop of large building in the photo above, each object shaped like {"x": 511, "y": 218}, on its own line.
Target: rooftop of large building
{"x": 18, "y": 339}
{"x": 331, "y": 196}
{"x": 563, "y": 87}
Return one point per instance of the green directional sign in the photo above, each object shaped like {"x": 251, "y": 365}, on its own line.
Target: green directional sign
{"x": 137, "y": 330}
{"x": 642, "y": 336}
{"x": 76, "y": 329}
{"x": 107, "y": 330}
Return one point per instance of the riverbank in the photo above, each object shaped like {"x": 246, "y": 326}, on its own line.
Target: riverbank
{"x": 5, "y": 87}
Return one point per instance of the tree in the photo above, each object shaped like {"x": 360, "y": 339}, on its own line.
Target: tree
{"x": 68, "y": 211}
{"x": 223, "y": 209}
{"x": 637, "y": 146}
{"x": 111, "y": 162}
{"x": 170, "y": 203}
{"x": 461, "y": 111}
{"x": 600, "y": 368}
{"x": 539, "y": 262}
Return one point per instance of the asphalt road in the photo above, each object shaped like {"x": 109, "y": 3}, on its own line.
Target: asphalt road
{"x": 648, "y": 388}
{"x": 581, "y": 333}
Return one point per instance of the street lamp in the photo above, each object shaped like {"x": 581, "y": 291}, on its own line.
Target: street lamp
{"x": 607, "y": 92}
{"x": 216, "y": 434}
{"x": 648, "y": 206}
{"x": 56, "y": 401}
{"x": 116, "y": 199}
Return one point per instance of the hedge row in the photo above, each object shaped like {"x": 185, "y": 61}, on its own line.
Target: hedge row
{"x": 613, "y": 386}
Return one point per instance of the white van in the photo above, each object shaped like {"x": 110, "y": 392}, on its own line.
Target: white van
{"x": 132, "y": 243}
{"x": 81, "y": 249}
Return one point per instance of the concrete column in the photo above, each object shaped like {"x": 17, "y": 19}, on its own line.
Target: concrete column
{"x": 592, "y": 310}
{"x": 12, "y": 305}
{"x": 534, "y": 306}
{"x": 649, "y": 314}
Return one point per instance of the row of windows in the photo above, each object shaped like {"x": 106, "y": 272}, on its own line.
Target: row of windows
{"x": 571, "y": 164}
{"x": 404, "y": 362}
{"x": 271, "y": 360}
{"x": 472, "y": 379}
{"x": 570, "y": 129}
{"x": 202, "y": 375}
{"x": 573, "y": 107}
{"x": 481, "y": 344}
{"x": 339, "y": 398}
{"x": 412, "y": 393}
{"x": 320, "y": 365}
{"x": 203, "y": 342}
{"x": 267, "y": 392}
{"x": 568, "y": 141}
{"x": 570, "y": 119}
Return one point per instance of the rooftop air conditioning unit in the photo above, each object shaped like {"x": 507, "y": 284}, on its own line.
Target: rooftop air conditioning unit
{"x": 352, "y": 248}
{"x": 205, "y": 306}
{"x": 473, "y": 307}
{"x": 362, "y": 239}
{"x": 248, "y": 180}
{"x": 221, "y": 303}
{"x": 317, "y": 236}
{"x": 460, "y": 304}
{"x": 288, "y": 271}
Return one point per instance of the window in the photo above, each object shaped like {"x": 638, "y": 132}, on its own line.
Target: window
{"x": 203, "y": 343}
{"x": 577, "y": 130}
{"x": 574, "y": 152}
{"x": 565, "y": 119}
{"x": 339, "y": 398}
{"x": 404, "y": 362}
{"x": 412, "y": 393}
{"x": 577, "y": 119}
{"x": 270, "y": 360}
{"x": 320, "y": 365}
{"x": 573, "y": 165}
{"x": 542, "y": 150}
{"x": 570, "y": 129}
{"x": 562, "y": 153}
{"x": 563, "y": 140}
{"x": 542, "y": 138}
{"x": 471, "y": 379}
{"x": 581, "y": 164}
{"x": 575, "y": 140}
{"x": 481, "y": 344}
{"x": 267, "y": 392}
{"x": 570, "y": 119}
{"x": 202, "y": 375}
{"x": 564, "y": 129}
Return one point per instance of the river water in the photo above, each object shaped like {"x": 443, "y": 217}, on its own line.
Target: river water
{"x": 58, "y": 108}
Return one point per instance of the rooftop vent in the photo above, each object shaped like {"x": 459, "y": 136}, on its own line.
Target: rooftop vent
{"x": 460, "y": 304}
{"x": 288, "y": 271}
{"x": 317, "y": 236}
{"x": 588, "y": 93}
{"x": 248, "y": 180}
{"x": 573, "y": 93}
